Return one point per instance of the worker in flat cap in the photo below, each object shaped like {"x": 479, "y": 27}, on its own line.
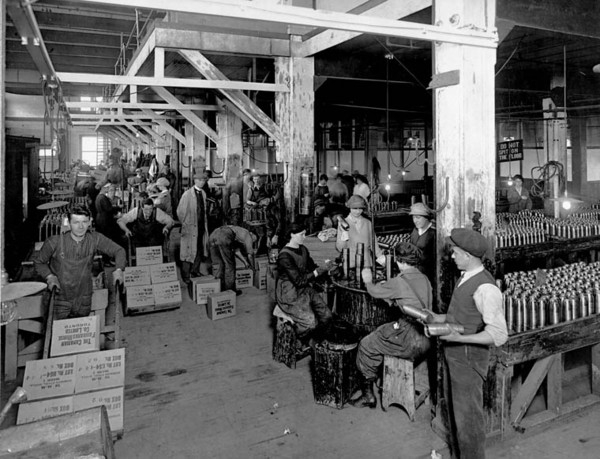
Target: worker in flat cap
{"x": 423, "y": 236}
{"x": 476, "y": 304}
{"x": 191, "y": 212}
{"x": 357, "y": 229}
{"x": 404, "y": 338}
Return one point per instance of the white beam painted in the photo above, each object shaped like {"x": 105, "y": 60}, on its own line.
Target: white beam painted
{"x": 94, "y": 78}
{"x": 188, "y": 114}
{"x": 142, "y": 106}
{"x": 293, "y": 15}
{"x": 209, "y": 71}
{"x": 330, "y": 38}
{"x": 167, "y": 127}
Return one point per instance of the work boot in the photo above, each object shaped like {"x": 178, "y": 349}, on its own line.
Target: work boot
{"x": 367, "y": 399}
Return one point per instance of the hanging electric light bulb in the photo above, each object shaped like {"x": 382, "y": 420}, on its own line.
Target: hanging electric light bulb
{"x": 566, "y": 204}
{"x": 509, "y": 182}
{"x": 389, "y": 176}
{"x": 387, "y": 187}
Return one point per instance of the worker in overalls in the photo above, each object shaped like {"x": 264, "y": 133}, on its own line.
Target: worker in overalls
{"x": 65, "y": 262}
{"x": 147, "y": 225}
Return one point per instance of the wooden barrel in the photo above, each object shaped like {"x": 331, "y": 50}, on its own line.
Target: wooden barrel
{"x": 357, "y": 307}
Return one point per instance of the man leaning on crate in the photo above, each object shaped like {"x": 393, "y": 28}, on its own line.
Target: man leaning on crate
{"x": 146, "y": 225}
{"x": 65, "y": 261}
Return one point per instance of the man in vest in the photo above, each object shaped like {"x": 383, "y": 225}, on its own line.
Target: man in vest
{"x": 147, "y": 225}
{"x": 476, "y": 304}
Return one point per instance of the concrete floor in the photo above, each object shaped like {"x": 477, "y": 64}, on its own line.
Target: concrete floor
{"x": 202, "y": 389}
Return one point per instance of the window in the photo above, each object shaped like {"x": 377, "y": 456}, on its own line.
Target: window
{"x": 94, "y": 148}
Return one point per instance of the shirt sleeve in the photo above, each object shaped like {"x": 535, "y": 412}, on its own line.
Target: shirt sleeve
{"x": 164, "y": 218}
{"x": 129, "y": 217}
{"x": 488, "y": 300}
{"x": 112, "y": 249}
{"x": 42, "y": 261}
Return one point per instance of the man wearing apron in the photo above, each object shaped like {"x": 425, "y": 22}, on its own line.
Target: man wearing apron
{"x": 146, "y": 225}
{"x": 65, "y": 261}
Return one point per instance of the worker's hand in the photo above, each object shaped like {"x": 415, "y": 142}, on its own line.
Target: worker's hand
{"x": 117, "y": 276}
{"x": 128, "y": 233}
{"x": 166, "y": 231}
{"x": 367, "y": 276}
{"x": 381, "y": 260}
{"x": 275, "y": 240}
{"x": 454, "y": 336}
{"x": 52, "y": 282}
{"x": 320, "y": 271}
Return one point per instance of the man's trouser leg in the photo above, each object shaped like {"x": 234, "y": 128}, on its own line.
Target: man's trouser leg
{"x": 467, "y": 366}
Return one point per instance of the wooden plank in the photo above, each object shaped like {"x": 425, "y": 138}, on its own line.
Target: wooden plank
{"x": 140, "y": 106}
{"x": 330, "y": 38}
{"x": 31, "y": 326}
{"x": 595, "y": 363}
{"x": 10, "y": 351}
{"x": 159, "y": 62}
{"x": 209, "y": 71}
{"x": 560, "y": 338}
{"x": 188, "y": 114}
{"x": 167, "y": 127}
{"x": 294, "y": 15}
{"x": 535, "y": 378}
{"x": 222, "y": 84}
{"x": 30, "y": 307}
{"x": 554, "y": 384}
{"x": 48, "y": 432}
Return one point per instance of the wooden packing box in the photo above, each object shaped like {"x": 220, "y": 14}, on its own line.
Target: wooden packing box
{"x": 72, "y": 336}
{"x": 260, "y": 281}
{"x": 201, "y": 287}
{"x": 112, "y": 399}
{"x": 335, "y": 374}
{"x": 261, "y": 264}
{"x": 221, "y": 305}
{"x": 44, "y": 409}
{"x": 164, "y": 272}
{"x": 244, "y": 278}
{"x": 100, "y": 370}
{"x": 167, "y": 295}
{"x": 136, "y": 276}
{"x": 83, "y": 434}
{"x": 48, "y": 378}
{"x": 140, "y": 296}
{"x": 145, "y": 256}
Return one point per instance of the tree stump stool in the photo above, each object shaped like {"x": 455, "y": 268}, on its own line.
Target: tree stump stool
{"x": 405, "y": 383}
{"x": 334, "y": 373}
{"x": 287, "y": 348}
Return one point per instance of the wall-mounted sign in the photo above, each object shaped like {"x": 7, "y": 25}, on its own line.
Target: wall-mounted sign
{"x": 510, "y": 151}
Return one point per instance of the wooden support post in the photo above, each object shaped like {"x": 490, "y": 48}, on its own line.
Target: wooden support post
{"x": 295, "y": 116}
{"x": 596, "y": 369}
{"x": 532, "y": 383}
{"x": 465, "y": 144}
{"x": 554, "y": 384}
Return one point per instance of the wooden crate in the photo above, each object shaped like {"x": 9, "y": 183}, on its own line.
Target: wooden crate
{"x": 81, "y": 434}
{"x": 334, "y": 374}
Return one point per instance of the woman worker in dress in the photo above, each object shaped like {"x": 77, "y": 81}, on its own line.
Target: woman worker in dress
{"x": 359, "y": 230}
{"x": 423, "y": 236}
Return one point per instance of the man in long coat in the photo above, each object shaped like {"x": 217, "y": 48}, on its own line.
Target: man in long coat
{"x": 191, "y": 212}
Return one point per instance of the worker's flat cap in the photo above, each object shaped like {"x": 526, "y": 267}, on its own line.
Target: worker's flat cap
{"x": 469, "y": 240}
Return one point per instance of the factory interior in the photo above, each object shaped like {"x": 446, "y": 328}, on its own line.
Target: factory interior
{"x": 475, "y": 114}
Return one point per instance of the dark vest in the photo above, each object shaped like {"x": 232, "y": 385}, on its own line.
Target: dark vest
{"x": 147, "y": 232}
{"x": 462, "y": 309}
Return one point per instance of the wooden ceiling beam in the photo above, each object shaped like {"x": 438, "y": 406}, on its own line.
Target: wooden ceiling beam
{"x": 240, "y": 100}
{"x": 141, "y": 106}
{"x": 188, "y": 114}
{"x": 293, "y": 15}
{"x": 331, "y": 38}
{"x": 168, "y": 128}
{"x": 221, "y": 84}
{"x": 114, "y": 116}
{"x": 181, "y": 36}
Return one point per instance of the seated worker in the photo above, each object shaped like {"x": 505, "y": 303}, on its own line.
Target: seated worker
{"x": 294, "y": 293}
{"x": 359, "y": 231}
{"x": 138, "y": 181}
{"x": 322, "y": 190}
{"x": 403, "y": 338}
{"x": 317, "y": 221}
{"x": 223, "y": 244}
{"x": 65, "y": 261}
{"x": 146, "y": 225}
